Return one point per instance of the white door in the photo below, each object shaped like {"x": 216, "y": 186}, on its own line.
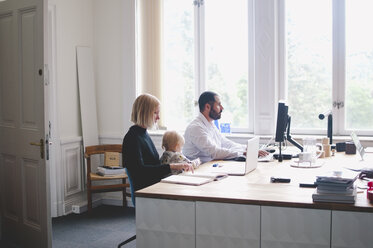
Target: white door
{"x": 25, "y": 210}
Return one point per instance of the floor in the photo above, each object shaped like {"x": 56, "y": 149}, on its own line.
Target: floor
{"x": 106, "y": 226}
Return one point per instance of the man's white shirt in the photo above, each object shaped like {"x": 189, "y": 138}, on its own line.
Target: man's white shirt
{"x": 203, "y": 140}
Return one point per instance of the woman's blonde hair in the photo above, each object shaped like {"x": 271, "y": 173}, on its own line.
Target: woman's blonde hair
{"x": 171, "y": 139}
{"x": 143, "y": 110}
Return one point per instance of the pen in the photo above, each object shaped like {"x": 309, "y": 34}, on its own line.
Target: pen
{"x": 308, "y": 185}
{"x": 280, "y": 180}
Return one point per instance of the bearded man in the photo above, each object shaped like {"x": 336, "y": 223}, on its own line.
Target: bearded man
{"x": 203, "y": 139}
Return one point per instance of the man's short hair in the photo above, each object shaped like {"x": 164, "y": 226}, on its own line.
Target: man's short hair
{"x": 206, "y": 97}
{"x": 143, "y": 110}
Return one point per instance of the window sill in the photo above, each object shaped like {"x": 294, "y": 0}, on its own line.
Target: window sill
{"x": 242, "y": 137}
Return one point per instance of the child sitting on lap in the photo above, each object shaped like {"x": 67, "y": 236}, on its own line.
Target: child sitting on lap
{"x": 172, "y": 143}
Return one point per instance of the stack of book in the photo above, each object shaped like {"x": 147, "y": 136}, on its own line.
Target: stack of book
{"x": 337, "y": 186}
{"x": 111, "y": 171}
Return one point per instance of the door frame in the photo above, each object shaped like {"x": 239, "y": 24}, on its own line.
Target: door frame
{"x": 56, "y": 181}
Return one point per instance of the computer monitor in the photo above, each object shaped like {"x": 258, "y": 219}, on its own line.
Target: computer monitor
{"x": 283, "y": 128}
{"x": 282, "y": 120}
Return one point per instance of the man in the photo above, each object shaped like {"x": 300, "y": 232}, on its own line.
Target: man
{"x": 203, "y": 140}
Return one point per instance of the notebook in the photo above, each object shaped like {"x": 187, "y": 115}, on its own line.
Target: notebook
{"x": 188, "y": 180}
{"x": 360, "y": 149}
{"x": 194, "y": 178}
{"x": 236, "y": 168}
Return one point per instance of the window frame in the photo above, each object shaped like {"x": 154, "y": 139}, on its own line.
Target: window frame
{"x": 200, "y": 82}
{"x": 338, "y": 69}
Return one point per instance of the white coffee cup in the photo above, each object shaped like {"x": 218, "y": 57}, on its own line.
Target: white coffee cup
{"x": 310, "y": 146}
{"x": 305, "y": 157}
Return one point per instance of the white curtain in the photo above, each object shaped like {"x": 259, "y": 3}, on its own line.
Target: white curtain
{"x": 150, "y": 47}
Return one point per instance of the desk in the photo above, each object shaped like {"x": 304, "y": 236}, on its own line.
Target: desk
{"x": 250, "y": 211}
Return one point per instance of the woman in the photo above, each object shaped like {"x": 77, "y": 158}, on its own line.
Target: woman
{"x": 140, "y": 156}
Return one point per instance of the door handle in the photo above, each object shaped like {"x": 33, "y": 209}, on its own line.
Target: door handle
{"x": 35, "y": 144}
{"x": 41, "y": 144}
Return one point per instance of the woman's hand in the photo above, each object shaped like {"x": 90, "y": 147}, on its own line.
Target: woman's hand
{"x": 182, "y": 166}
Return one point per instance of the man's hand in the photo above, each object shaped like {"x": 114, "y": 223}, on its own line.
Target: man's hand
{"x": 262, "y": 153}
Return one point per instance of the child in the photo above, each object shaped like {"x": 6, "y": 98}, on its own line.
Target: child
{"x": 172, "y": 143}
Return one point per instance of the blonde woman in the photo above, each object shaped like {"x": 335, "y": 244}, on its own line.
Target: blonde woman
{"x": 140, "y": 156}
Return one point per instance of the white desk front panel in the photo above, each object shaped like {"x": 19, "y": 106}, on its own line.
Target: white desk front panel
{"x": 227, "y": 225}
{"x": 352, "y": 229}
{"x": 165, "y": 223}
{"x": 295, "y": 227}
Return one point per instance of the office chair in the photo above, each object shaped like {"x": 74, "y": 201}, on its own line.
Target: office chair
{"x": 134, "y": 204}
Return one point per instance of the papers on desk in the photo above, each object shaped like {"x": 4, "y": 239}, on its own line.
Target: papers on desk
{"x": 196, "y": 178}
{"x": 336, "y": 186}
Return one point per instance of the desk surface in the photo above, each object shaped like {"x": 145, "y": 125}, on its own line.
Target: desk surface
{"x": 256, "y": 189}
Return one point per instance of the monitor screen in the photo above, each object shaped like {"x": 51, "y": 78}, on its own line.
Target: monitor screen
{"x": 282, "y": 121}
{"x": 283, "y": 126}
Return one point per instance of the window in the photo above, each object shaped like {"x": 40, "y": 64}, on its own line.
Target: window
{"x": 226, "y": 57}
{"x": 359, "y": 65}
{"x": 323, "y": 62}
{"x": 328, "y": 63}
{"x": 309, "y": 61}
{"x": 178, "y": 88}
{"x": 205, "y": 47}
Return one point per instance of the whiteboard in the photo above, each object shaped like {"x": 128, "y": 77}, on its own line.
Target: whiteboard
{"x": 87, "y": 95}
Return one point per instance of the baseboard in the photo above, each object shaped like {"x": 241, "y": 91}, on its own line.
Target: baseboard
{"x": 115, "y": 202}
{"x": 82, "y": 206}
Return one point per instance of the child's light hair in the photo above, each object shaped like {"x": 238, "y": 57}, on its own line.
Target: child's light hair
{"x": 143, "y": 110}
{"x": 171, "y": 139}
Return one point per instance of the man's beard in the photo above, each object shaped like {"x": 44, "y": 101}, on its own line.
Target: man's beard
{"x": 215, "y": 115}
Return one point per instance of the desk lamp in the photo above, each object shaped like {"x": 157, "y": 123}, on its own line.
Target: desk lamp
{"x": 330, "y": 124}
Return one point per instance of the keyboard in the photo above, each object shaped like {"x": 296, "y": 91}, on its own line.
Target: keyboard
{"x": 267, "y": 158}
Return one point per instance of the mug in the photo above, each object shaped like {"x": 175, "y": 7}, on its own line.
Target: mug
{"x": 310, "y": 146}
{"x": 305, "y": 157}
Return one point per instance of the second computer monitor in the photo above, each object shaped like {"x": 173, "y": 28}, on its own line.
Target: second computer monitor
{"x": 282, "y": 122}
{"x": 283, "y": 127}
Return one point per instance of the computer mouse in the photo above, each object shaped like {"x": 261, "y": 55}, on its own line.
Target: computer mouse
{"x": 270, "y": 150}
{"x": 240, "y": 158}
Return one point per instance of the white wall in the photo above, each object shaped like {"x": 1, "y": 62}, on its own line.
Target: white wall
{"x": 109, "y": 28}
{"x": 114, "y": 49}
{"x": 74, "y": 27}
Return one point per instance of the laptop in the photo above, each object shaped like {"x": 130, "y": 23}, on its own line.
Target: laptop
{"x": 359, "y": 147}
{"x": 235, "y": 168}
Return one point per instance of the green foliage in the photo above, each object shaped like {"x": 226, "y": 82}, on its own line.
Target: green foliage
{"x": 309, "y": 78}
{"x": 359, "y": 102}
{"x": 234, "y": 98}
